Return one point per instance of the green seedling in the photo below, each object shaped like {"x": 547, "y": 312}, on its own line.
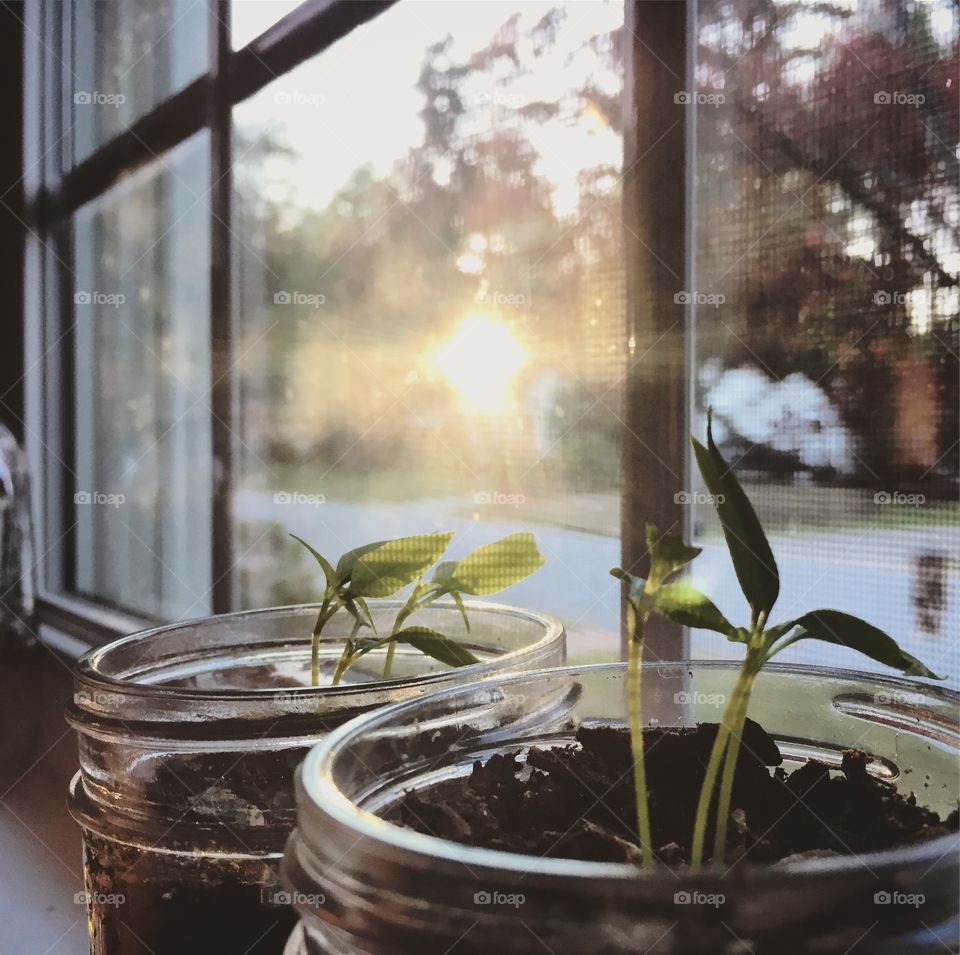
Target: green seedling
{"x": 667, "y": 555}
{"x": 759, "y": 580}
{"x": 384, "y": 568}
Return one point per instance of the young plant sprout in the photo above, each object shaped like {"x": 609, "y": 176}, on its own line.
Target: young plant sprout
{"x": 384, "y": 568}
{"x": 759, "y": 580}
{"x": 667, "y": 556}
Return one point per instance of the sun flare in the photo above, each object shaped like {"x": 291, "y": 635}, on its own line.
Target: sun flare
{"x": 480, "y": 360}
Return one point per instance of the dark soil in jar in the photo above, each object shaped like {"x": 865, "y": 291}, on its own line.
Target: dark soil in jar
{"x": 181, "y": 904}
{"x": 577, "y": 802}
{"x": 250, "y": 792}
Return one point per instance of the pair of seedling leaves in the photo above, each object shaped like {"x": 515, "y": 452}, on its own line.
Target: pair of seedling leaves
{"x": 759, "y": 580}
{"x": 384, "y": 568}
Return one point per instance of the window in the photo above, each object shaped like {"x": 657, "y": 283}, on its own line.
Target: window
{"x": 827, "y": 253}
{"x": 430, "y": 293}
{"x": 348, "y": 269}
{"x": 141, "y": 342}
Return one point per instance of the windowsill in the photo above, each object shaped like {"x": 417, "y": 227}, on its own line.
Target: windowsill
{"x": 39, "y": 841}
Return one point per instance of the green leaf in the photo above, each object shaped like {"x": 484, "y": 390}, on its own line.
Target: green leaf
{"x": 348, "y": 560}
{"x": 362, "y": 604}
{"x": 390, "y": 566}
{"x": 749, "y": 549}
{"x": 329, "y": 574}
{"x": 843, "y": 629}
{"x": 668, "y": 554}
{"x": 639, "y": 601}
{"x": 358, "y": 609}
{"x": 435, "y": 644}
{"x": 358, "y": 625}
{"x": 684, "y": 604}
{"x": 636, "y": 586}
{"x": 495, "y": 566}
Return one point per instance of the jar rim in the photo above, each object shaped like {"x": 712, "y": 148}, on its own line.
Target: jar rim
{"x": 317, "y": 788}
{"x": 89, "y": 668}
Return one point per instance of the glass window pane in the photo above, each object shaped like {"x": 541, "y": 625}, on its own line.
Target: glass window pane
{"x": 250, "y": 18}
{"x": 142, "y": 381}
{"x": 431, "y": 296}
{"x": 827, "y": 329}
{"x": 127, "y": 57}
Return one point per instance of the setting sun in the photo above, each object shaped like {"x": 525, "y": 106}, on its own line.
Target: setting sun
{"x": 480, "y": 360}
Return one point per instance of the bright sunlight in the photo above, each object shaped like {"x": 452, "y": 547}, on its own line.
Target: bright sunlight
{"x": 480, "y": 360}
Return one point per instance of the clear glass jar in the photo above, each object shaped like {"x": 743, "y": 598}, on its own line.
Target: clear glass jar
{"x": 363, "y": 885}
{"x": 189, "y": 738}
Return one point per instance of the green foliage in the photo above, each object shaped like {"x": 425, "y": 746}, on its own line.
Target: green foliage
{"x": 749, "y": 549}
{"x": 684, "y": 604}
{"x": 436, "y": 645}
{"x": 329, "y": 574}
{"x": 834, "y": 626}
{"x": 668, "y": 555}
{"x": 384, "y": 568}
{"x": 493, "y": 567}
{"x": 759, "y": 580}
{"x": 393, "y": 564}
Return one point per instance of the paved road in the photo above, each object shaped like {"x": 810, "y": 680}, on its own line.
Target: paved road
{"x": 871, "y": 572}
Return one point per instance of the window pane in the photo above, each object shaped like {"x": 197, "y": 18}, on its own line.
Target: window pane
{"x": 127, "y": 57}
{"x": 250, "y": 18}
{"x": 827, "y": 329}
{"x": 142, "y": 381}
{"x": 431, "y": 295}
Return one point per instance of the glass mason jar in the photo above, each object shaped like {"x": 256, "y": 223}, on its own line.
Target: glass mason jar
{"x": 189, "y": 738}
{"x": 363, "y": 885}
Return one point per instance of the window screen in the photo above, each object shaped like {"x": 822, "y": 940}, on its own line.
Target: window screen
{"x": 431, "y": 298}
{"x": 826, "y": 323}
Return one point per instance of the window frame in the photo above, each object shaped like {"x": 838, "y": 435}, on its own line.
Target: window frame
{"x": 656, "y": 143}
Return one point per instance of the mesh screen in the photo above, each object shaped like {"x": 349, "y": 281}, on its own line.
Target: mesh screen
{"x": 827, "y": 317}
{"x": 432, "y": 298}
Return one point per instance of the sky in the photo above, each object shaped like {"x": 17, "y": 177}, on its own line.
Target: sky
{"x": 342, "y": 110}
